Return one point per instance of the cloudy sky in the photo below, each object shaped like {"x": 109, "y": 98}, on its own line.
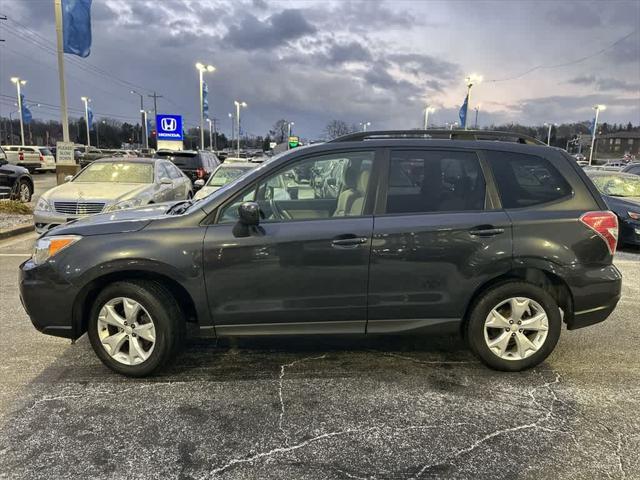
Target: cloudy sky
{"x": 313, "y": 61}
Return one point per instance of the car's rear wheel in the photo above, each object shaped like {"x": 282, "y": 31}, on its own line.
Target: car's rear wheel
{"x": 24, "y": 191}
{"x": 135, "y": 327}
{"x": 514, "y": 326}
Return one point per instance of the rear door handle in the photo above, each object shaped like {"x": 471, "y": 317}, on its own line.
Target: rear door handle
{"x": 488, "y": 231}
{"x": 349, "y": 242}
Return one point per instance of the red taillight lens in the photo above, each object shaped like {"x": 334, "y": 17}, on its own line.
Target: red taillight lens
{"x": 605, "y": 224}
{"x": 200, "y": 172}
{"x": 41, "y": 158}
{"x": 21, "y": 156}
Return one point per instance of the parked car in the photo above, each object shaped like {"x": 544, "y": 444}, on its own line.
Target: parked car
{"x": 45, "y": 156}
{"x": 147, "y": 152}
{"x": 15, "y": 182}
{"x": 225, "y": 173}
{"x": 503, "y": 241}
{"x": 195, "y": 164}
{"x": 17, "y": 155}
{"x": 89, "y": 154}
{"x": 579, "y": 157}
{"x": 108, "y": 185}
{"x": 633, "y": 168}
{"x": 621, "y": 192}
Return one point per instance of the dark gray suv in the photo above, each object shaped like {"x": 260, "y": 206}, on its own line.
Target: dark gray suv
{"x": 489, "y": 234}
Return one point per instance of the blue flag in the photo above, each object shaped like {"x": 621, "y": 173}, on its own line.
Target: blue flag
{"x": 205, "y": 100}
{"x": 90, "y": 117}
{"x": 26, "y": 113}
{"x": 593, "y": 126}
{"x": 76, "y": 27}
{"x": 463, "y": 112}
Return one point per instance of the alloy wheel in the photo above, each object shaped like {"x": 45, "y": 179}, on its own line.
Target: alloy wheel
{"x": 126, "y": 331}
{"x": 516, "y": 328}
{"x": 24, "y": 193}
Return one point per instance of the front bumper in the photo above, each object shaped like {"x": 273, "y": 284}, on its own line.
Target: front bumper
{"x": 47, "y": 220}
{"x": 48, "y": 300}
{"x": 595, "y": 295}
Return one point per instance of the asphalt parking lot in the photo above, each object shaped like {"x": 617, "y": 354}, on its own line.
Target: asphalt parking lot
{"x": 318, "y": 408}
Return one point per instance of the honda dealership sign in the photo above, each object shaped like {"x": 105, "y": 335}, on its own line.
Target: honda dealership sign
{"x": 169, "y": 127}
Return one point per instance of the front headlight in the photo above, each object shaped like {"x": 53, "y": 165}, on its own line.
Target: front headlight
{"x": 134, "y": 202}
{"x": 47, "y": 247}
{"x": 634, "y": 215}
{"x": 43, "y": 205}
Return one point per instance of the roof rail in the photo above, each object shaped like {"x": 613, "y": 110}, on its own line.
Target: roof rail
{"x": 439, "y": 134}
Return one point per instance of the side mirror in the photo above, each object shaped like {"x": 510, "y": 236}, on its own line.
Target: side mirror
{"x": 198, "y": 183}
{"x": 68, "y": 178}
{"x": 249, "y": 214}
{"x": 166, "y": 181}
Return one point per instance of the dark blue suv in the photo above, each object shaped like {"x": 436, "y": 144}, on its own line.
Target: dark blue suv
{"x": 490, "y": 234}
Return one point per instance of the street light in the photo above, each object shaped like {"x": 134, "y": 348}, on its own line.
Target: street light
{"x": 233, "y": 128}
{"x": 471, "y": 80}
{"x": 597, "y": 108}
{"x": 364, "y": 125}
{"x": 550, "y": 125}
{"x": 18, "y": 81}
{"x": 289, "y": 125}
{"x": 201, "y": 69}
{"x": 210, "y": 134}
{"x": 477, "y": 109}
{"x": 86, "y": 101}
{"x": 239, "y": 104}
{"x": 427, "y": 110}
{"x": 144, "y": 125}
{"x": 104, "y": 122}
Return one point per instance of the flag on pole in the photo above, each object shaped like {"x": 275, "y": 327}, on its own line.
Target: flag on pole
{"x": 205, "y": 100}
{"x": 76, "y": 27}
{"x": 593, "y": 126}
{"x": 463, "y": 112}
{"x": 26, "y": 113}
{"x": 90, "y": 117}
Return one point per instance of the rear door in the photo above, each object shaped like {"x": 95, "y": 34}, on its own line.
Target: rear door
{"x": 437, "y": 237}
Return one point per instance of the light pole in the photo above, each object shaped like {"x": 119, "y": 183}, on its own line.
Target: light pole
{"x": 86, "y": 101}
{"x": 210, "y": 134}
{"x": 201, "y": 69}
{"x": 427, "y": 111}
{"x": 597, "y": 108}
{"x": 144, "y": 123}
{"x": 289, "y": 125}
{"x": 471, "y": 80}
{"x": 477, "y": 109}
{"x": 144, "y": 126}
{"x": 364, "y": 125}
{"x": 239, "y": 104}
{"x": 550, "y": 125}
{"x": 104, "y": 122}
{"x": 18, "y": 81}
{"x": 233, "y": 128}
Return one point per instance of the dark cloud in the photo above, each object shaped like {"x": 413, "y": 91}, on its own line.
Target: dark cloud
{"x": 605, "y": 84}
{"x": 348, "y": 52}
{"x": 278, "y": 29}
{"x": 575, "y": 14}
{"x": 417, "y": 64}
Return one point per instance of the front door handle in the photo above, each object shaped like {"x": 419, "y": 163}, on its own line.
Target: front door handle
{"x": 486, "y": 231}
{"x": 349, "y": 242}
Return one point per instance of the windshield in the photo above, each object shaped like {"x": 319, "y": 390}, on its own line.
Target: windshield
{"x": 617, "y": 186}
{"x": 116, "y": 172}
{"x": 45, "y": 151}
{"x": 224, "y": 175}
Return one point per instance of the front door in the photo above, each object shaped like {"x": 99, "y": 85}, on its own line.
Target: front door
{"x": 304, "y": 269}
{"x": 437, "y": 238}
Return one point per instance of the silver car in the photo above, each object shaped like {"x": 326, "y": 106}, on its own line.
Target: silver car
{"x": 111, "y": 184}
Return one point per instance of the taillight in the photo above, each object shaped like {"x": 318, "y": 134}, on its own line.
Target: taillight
{"x": 21, "y": 156}
{"x": 200, "y": 172}
{"x": 605, "y": 224}
{"x": 41, "y": 158}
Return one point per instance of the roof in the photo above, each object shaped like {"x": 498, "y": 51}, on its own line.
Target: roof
{"x": 624, "y": 134}
{"x": 440, "y": 134}
{"x": 127, "y": 160}
{"x": 238, "y": 163}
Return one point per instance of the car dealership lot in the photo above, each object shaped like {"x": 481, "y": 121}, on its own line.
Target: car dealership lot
{"x": 318, "y": 407}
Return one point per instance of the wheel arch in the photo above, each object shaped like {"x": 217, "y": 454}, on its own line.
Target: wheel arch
{"x": 84, "y": 300}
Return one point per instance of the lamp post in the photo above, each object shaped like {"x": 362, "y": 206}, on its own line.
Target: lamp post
{"x": 364, "y": 125}
{"x": 210, "y": 134}
{"x": 289, "y": 125}
{"x": 550, "y": 125}
{"x": 597, "y": 108}
{"x": 477, "y": 109}
{"x": 86, "y": 101}
{"x": 471, "y": 80}
{"x": 201, "y": 69}
{"x": 427, "y": 111}
{"x": 104, "y": 122}
{"x": 144, "y": 126}
{"x": 239, "y": 104}
{"x": 18, "y": 81}
{"x": 233, "y": 128}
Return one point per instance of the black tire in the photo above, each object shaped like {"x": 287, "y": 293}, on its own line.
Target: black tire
{"x": 487, "y": 301}
{"x": 24, "y": 185}
{"x": 167, "y": 317}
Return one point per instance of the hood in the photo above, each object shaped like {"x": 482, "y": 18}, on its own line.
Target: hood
{"x": 622, "y": 205}
{"x": 95, "y": 191}
{"x": 129, "y": 220}
{"x": 205, "y": 191}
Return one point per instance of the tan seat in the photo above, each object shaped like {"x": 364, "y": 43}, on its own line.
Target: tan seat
{"x": 348, "y": 194}
{"x": 357, "y": 205}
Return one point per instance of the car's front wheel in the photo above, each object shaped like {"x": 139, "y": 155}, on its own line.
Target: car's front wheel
{"x": 514, "y": 326}
{"x": 135, "y": 327}
{"x": 24, "y": 191}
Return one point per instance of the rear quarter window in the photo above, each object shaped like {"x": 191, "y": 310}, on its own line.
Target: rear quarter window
{"x": 526, "y": 180}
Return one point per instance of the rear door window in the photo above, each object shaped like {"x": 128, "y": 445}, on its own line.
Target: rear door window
{"x": 526, "y": 180}
{"x": 424, "y": 181}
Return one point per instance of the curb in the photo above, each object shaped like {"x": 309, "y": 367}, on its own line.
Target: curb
{"x": 18, "y": 230}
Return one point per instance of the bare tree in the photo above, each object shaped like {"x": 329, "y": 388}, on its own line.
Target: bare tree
{"x": 337, "y": 128}
{"x": 279, "y": 131}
